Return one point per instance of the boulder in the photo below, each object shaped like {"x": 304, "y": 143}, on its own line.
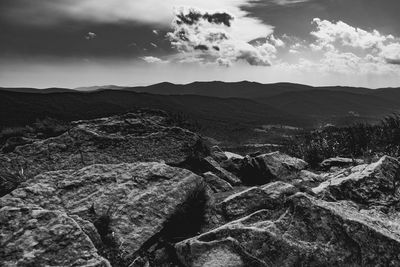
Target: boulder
{"x": 31, "y": 236}
{"x": 278, "y": 192}
{"x": 375, "y": 184}
{"x": 217, "y": 154}
{"x": 309, "y": 179}
{"x": 340, "y": 162}
{"x": 215, "y": 183}
{"x": 142, "y": 136}
{"x": 231, "y": 155}
{"x": 134, "y": 200}
{"x": 309, "y": 232}
{"x": 245, "y": 202}
{"x": 270, "y": 167}
{"x": 211, "y": 165}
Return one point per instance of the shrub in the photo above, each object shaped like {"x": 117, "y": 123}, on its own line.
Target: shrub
{"x": 358, "y": 140}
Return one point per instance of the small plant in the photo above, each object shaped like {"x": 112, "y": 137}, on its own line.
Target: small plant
{"x": 110, "y": 248}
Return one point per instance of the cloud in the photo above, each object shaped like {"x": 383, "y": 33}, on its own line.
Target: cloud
{"x": 155, "y": 12}
{"x": 90, "y": 36}
{"x": 210, "y": 38}
{"x": 328, "y": 33}
{"x": 370, "y": 47}
{"x": 391, "y": 53}
{"x": 288, "y": 2}
{"x": 151, "y": 59}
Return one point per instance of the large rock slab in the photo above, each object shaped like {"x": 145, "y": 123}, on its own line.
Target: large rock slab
{"x": 31, "y": 236}
{"x": 269, "y": 167}
{"x": 310, "y": 232}
{"x": 143, "y": 136}
{"x": 340, "y": 162}
{"x": 139, "y": 198}
{"x": 249, "y": 200}
{"x": 215, "y": 183}
{"x": 213, "y": 166}
{"x": 376, "y": 184}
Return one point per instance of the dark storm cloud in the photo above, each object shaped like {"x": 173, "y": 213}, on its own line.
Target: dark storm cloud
{"x": 193, "y": 17}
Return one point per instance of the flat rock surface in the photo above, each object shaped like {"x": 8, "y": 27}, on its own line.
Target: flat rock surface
{"x": 139, "y": 197}
{"x": 126, "y": 138}
{"x": 37, "y": 237}
{"x": 310, "y": 232}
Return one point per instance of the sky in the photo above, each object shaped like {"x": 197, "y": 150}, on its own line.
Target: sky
{"x": 75, "y": 43}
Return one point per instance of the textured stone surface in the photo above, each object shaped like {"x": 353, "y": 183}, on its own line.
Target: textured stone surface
{"x": 126, "y": 138}
{"x": 269, "y": 167}
{"x": 38, "y": 237}
{"x": 245, "y": 202}
{"x": 213, "y": 166}
{"x": 139, "y": 197}
{"x": 340, "y": 162}
{"x": 215, "y": 183}
{"x": 376, "y": 184}
{"x": 310, "y": 232}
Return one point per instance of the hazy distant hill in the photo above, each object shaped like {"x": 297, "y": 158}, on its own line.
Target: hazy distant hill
{"x": 214, "y": 115}
{"x": 243, "y": 89}
{"x": 214, "y": 104}
{"x": 33, "y": 90}
{"x": 320, "y": 103}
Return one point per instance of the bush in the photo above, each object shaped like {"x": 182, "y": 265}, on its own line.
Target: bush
{"x": 359, "y": 140}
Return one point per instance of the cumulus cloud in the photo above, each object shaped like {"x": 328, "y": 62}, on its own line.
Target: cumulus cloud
{"x": 329, "y": 33}
{"x": 209, "y": 37}
{"x": 371, "y": 46}
{"x": 151, "y": 59}
{"x": 391, "y": 53}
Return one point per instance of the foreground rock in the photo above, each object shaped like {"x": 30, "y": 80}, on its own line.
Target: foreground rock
{"x": 309, "y": 232}
{"x": 213, "y": 166}
{"x": 142, "y": 136}
{"x": 376, "y": 184}
{"x": 135, "y": 200}
{"x": 36, "y": 237}
{"x": 274, "y": 166}
{"x": 215, "y": 183}
{"x": 340, "y": 162}
{"x": 252, "y": 199}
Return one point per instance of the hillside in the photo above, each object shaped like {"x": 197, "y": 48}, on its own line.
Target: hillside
{"x": 244, "y": 89}
{"x": 215, "y": 117}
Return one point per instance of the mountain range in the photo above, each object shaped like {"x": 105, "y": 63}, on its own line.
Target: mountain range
{"x": 213, "y": 105}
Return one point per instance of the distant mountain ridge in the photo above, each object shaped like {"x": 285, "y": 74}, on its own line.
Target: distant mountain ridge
{"x": 243, "y": 104}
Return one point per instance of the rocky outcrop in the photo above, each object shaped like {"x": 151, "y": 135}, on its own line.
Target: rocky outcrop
{"x": 138, "y": 199}
{"x": 31, "y": 236}
{"x": 340, "y": 162}
{"x": 376, "y": 184}
{"x": 309, "y": 232}
{"x": 115, "y": 191}
{"x": 211, "y": 165}
{"x": 215, "y": 183}
{"x": 127, "y": 138}
{"x": 269, "y": 167}
{"x": 252, "y": 199}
